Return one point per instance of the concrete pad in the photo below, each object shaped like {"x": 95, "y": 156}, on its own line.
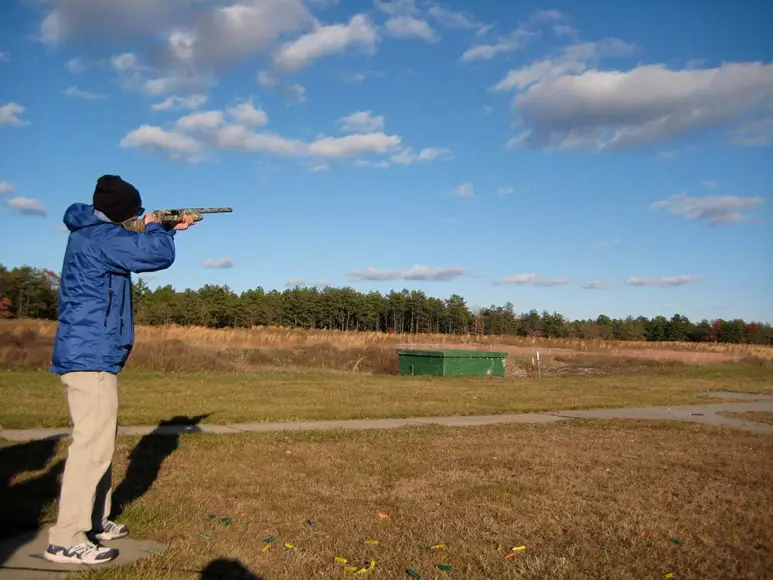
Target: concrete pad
{"x": 21, "y": 558}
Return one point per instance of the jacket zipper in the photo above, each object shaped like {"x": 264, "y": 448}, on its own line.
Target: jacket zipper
{"x": 109, "y": 297}
{"x": 123, "y": 304}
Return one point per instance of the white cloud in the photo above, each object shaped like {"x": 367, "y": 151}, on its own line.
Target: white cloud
{"x": 565, "y": 103}
{"x": 201, "y": 121}
{"x": 404, "y": 157}
{"x": 575, "y": 58}
{"x": 452, "y": 19}
{"x": 175, "y": 83}
{"x": 70, "y": 20}
{"x": 715, "y": 209}
{"x": 595, "y": 285}
{"x": 546, "y": 16}
{"x": 757, "y": 133}
{"x": 225, "y": 34}
{"x": 396, "y": 7}
{"x": 197, "y": 35}
{"x": 6, "y": 188}
{"x": 159, "y": 141}
{"x": 5, "y": 57}
{"x": 710, "y": 184}
{"x": 361, "y": 122}
{"x": 503, "y": 45}
{"x": 464, "y": 190}
{"x": 488, "y": 51}
{"x": 564, "y": 30}
{"x": 319, "y": 167}
{"x": 505, "y": 191}
{"x": 291, "y": 91}
{"x": 156, "y": 83}
{"x": 667, "y": 281}
{"x": 410, "y": 27}
{"x": 174, "y": 103}
{"x": 324, "y": 41}
{"x": 608, "y": 243}
{"x": 220, "y": 264}
{"x": 408, "y": 156}
{"x": 77, "y": 93}
{"x": 369, "y": 163}
{"x": 9, "y": 115}
{"x": 531, "y": 280}
{"x": 443, "y": 16}
{"x": 189, "y": 40}
{"x": 124, "y": 62}
{"x": 240, "y": 138}
{"x": 75, "y": 66}
{"x": 212, "y": 130}
{"x": 417, "y": 272}
{"x": 26, "y": 206}
{"x": 510, "y": 42}
{"x": 356, "y": 144}
{"x": 432, "y": 153}
{"x": 246, "y": 114}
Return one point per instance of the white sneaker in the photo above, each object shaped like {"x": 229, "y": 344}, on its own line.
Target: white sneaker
{"x": 86, "y": 553}
{"x": 111, "y": 531}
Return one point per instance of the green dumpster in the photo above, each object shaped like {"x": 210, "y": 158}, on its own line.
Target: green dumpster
{"x": 452, "y": 363}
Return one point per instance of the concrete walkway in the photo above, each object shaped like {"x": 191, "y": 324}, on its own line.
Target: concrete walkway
{"x": 707, "y": 414}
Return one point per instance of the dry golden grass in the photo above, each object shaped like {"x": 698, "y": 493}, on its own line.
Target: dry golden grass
{"x": 586, "y": 500}
{"x": 27, "y": 344}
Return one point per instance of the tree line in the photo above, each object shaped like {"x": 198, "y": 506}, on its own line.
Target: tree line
{"x": 27, "y": 292}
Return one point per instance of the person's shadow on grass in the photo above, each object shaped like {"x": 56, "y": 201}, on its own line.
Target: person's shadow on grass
{"x": 223, "y": 569}
{"x": 147, "y": 457}
{"x": 23, "y": 504}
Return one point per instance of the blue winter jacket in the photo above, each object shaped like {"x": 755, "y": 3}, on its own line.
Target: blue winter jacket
{"x": 96, "y": 327}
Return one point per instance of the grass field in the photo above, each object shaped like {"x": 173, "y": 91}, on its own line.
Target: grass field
{"x": 37, "y": 399}
{"x": 586, "y": 500}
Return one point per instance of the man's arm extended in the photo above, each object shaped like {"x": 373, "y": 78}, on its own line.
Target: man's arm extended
{"x": 149, "y": 252}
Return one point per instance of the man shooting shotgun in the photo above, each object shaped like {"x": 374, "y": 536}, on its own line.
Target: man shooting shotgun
{"x": 94, "y": 336}
{"x": 169, "y": 218}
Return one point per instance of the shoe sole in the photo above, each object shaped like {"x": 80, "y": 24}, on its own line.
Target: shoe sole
{"x": 65, "y": 560}
{"x": 106, "y": 538}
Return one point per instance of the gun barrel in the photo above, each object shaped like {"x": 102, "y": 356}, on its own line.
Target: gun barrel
{"x": 207, "y": 209}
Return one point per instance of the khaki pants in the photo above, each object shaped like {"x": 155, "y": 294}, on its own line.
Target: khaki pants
{"x": 85, "y": 498}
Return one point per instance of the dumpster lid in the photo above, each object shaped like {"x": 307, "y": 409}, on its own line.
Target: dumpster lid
{"x": 453, "y": 353}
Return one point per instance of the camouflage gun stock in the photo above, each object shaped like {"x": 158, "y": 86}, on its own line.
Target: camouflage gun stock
{"x": 171, "y": 217}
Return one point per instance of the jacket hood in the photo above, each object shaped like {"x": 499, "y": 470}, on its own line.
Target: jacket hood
{"x": 80, "y": 215}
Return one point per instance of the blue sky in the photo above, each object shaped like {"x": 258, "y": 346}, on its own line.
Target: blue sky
{"x": 567, "y": 157}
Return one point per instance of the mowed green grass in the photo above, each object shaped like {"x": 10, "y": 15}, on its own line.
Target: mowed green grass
{"x": 37, "y": 399}
{"x": 586, "y": 499}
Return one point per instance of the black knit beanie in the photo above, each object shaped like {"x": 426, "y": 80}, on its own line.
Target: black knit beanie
{"x": 116, "y": 198}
